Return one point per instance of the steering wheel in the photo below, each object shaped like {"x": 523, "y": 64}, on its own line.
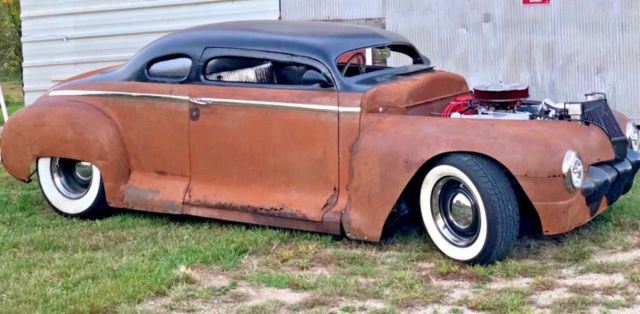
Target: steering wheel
{"x": 363, "y": 64}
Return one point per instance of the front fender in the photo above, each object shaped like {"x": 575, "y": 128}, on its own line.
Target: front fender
{"x": 392, "y": 148}
{"x": 66, "y": 129}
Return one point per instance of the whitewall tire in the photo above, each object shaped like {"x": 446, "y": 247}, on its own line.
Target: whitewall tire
{"x": 73, "y": 188}
{"x": 469, "y": 209}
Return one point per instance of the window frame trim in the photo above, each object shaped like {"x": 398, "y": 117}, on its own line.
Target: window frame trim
{"x": 210, "y": 53}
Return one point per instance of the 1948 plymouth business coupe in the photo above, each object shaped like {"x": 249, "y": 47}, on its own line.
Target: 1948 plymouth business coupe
{"x": 323, "y": 127}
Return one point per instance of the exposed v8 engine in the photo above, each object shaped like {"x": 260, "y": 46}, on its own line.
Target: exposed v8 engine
{"x": 511, "y": 102}
{"x": 495, "y": 101}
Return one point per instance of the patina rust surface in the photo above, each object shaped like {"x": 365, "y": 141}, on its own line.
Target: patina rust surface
{"x": 413, "y": 92}
{"x": 334, "y": 172}
{"x": 379, "y": 178}
{"x": 267, "y": 161}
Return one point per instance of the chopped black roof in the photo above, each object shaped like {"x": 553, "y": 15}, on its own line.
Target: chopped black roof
{"x": 324, "y": 41}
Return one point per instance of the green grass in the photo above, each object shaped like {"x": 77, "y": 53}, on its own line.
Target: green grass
{"x": 12, "y": 107}
{"x": 503, "y": 301}
{"x": 53, "y": 264}
{"x": 576, "y": 304}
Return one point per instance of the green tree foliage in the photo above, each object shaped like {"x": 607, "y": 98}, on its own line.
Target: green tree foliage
{"x": 10, "y": 34}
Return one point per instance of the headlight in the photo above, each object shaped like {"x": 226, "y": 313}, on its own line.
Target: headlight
{"x": 573, "y": 171}
{"x": 633, "y": 136}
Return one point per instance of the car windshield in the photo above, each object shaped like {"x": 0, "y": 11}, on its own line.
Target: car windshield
{"x": 362, "y": 61}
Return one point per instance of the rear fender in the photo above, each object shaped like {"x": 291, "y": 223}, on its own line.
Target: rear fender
{"x": 392, "y": 149}
{"x": 69, "y": 129}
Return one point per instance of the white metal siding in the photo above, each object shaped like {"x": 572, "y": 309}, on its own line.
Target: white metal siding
{"x": 327, "y": 10}
{"x": 63, "y": 38}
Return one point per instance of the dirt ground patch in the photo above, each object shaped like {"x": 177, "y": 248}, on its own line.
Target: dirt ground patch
{"x": 613, "y": 256}
{"x": 565, "y": 289}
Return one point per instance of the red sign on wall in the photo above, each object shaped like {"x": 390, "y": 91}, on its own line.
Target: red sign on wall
{"x": 536, "y": 2}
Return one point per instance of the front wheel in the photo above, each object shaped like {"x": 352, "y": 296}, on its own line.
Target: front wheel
{"x": 470, "y": 209}
{"x": 73, "y": 188}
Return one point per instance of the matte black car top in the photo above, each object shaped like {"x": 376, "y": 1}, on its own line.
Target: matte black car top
{"x": 322, "y": 41}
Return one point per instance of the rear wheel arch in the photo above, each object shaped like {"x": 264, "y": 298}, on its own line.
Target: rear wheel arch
{"x": 67, "y": 129}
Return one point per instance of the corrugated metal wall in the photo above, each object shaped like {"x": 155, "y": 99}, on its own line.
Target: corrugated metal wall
{"x": 62, "y": 38}
{"x": 332, "y": 10}
{"x": 562, "y": 50}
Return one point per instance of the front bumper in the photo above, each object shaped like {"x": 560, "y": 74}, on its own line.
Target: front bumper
{"x": 610, "y": 179}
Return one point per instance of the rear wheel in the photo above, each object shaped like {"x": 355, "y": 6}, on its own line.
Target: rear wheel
{"x": 469, "y": 209}
{"x": 73, "y": 188}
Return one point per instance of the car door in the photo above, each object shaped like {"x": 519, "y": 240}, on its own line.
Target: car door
{"x": 260, "y": 140}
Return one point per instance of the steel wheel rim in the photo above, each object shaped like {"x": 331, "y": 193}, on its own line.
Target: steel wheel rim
{"x": 72, "y": 178}
{"x": 455, "y": 212}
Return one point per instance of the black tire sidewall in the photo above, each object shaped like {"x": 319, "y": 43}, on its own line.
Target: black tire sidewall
{"x": 499, "y": 200}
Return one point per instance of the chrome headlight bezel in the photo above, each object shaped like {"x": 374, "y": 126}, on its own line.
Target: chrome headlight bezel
{"x": 573, "y": 170}
{"x": 633, "y": 135}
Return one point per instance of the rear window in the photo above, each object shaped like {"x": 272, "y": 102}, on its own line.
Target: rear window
{"x": 174, "y": 69}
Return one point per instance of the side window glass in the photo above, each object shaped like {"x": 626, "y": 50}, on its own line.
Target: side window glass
{"x": 173, "y": 69}
{"x": 263, "y": 71}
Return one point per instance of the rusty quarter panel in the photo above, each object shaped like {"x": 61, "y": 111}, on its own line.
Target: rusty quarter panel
{"x": 152, "y": 134}
{"x": 68, "y": 129}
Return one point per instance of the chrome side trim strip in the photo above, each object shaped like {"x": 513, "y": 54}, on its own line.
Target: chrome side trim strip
{"x": 349, "y": 109}
{"x": 211, "y": 101}
{"x": 117, "y": 94}
{"x": 274, "y": 105}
